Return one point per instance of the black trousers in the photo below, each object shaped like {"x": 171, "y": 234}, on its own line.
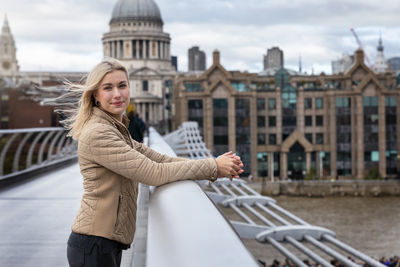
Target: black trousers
{"x": 93, "y": 251}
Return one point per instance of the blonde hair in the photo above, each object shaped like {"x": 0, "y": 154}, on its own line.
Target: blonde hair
{"x": 78, "y": 115}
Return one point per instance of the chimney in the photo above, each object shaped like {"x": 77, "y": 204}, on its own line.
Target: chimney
{"x": 359, "y": 57}
{"x": 216, "y": 57}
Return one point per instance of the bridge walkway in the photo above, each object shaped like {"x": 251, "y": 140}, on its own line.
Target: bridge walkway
{"x": 36, "y": 218}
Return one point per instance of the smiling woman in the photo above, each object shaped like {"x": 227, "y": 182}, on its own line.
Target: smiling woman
{"x": 112, "y": 164}
{"x": 113, "y": 94}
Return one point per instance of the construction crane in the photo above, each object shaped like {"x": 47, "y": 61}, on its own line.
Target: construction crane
{"x": 360, "y": 45}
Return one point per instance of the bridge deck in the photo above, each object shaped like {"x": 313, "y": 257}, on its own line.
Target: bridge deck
{"x": 36, "y": 218}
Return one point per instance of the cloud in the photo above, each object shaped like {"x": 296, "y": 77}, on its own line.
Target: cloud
{"x": 47, "y": 57}
{"x": 65, "y": 35}
{"x": 272, "y": 12}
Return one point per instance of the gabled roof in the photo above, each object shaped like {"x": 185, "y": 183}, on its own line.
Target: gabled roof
{"x": 358, "y": 63}
{"x": 144, "y": 71}
{"x": 216, "y": 66}
{"x": 368, "y": 79}
{"x": 216, "y": 83}
{"x": 299, "y": 137}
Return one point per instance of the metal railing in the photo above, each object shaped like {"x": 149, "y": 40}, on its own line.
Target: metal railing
{"x": 265, "y": 221}
{"x": 185, "y": 228}
{"x": 26, "y": 150}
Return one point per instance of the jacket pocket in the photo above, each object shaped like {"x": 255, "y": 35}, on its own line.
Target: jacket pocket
{"x": 121, "y": 214}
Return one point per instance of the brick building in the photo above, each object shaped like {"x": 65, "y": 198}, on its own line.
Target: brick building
{"x": 287, "y": 124}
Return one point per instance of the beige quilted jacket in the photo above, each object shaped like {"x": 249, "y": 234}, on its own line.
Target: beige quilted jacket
{"x": 112, "y": 164}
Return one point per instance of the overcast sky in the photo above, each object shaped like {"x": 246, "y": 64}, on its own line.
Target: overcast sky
{"x": 66, "y": 35}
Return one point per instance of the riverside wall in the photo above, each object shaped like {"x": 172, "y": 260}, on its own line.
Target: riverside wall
{"x": 332, "y": 188}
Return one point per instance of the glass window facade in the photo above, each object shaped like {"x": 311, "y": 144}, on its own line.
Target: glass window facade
{"x": 193, "y": 87}
{"x": 343, "y": 128}
{"x": 260, "y": 121}
{"x": 261, "y": 139}
{"x": 282, "y": 78}
{"x": 220, "y": 123}
{"x": 260, "y": 103}
{"x": 271, "y": 103}
{"x": 308, "y": 120}
{"x": 319, "y": 103}
{"x": 370, "y": 101}
{"x": 289, "y": 104}
{"x": 391, "y": 101}
{"x": 262, "y": 162}
{"x": 342, "y": 102}
{"x": 240, "y": 86}
{"x": 371, "y": 133}
{"x": 319, "y": 120}
{"x": 272, "y": 139}
{"x": 261, "y": 86}
{"x": 289, "y": 97}
{"x": 319, "y": 138}
{"x": 391, "y": 135}
{"x": 308, "y": 136}
{"x": 289, "y": 121}
{"x": 308, "y": 103}
{"x": 195, "y": 112}
{"x": 243, "y": 132}
{"x": 271, "y": 121}
{"x": 277, "y": 163}
{"x": 145, "y": 85}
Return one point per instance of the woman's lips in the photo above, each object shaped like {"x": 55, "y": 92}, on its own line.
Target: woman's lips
{"x": 119, "y": 103}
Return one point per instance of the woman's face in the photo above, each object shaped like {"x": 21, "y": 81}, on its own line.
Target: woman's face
{"x": 113, "y": 93}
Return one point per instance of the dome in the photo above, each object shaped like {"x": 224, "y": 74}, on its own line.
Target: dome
{"x": 139, "y": 10}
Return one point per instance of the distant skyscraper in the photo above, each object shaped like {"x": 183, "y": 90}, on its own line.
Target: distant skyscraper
{"x": 273, "y": 58}
{"x": 343, "y": 64}
{"x": 197, "y": 59}
{"x": 381, "y": 64}
{"x": 174, "y": 62}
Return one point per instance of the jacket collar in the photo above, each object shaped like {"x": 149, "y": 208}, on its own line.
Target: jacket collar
{"x": 108, "y": 117}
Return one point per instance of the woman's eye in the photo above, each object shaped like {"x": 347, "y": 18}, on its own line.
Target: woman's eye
{"x": 122, "y": 85}
{"x": 107, "y": 88}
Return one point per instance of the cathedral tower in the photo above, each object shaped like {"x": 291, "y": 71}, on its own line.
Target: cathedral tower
{"x": 8, "y": 59}
{"x": 136, "y": 35}
{"x": 137, "y": 39}
{"x": 380, "y": 63}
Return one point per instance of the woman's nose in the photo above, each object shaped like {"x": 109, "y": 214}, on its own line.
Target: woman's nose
{"x": 116, "y": 92}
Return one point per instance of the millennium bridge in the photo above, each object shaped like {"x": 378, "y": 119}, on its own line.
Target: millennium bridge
{"x": 178, "y": 225}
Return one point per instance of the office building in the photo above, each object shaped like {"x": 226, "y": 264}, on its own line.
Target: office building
{"x": 343, "y": 64}
{"x": 394, "y": 64}
{"x": 273, "y": 58}
{"x": 286, "y": 125}
{"x": 196, "y": 59}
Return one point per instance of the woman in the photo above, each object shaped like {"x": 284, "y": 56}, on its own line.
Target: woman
{"x": 112, "y": 164}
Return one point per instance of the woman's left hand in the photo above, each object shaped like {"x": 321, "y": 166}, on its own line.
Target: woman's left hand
{"x": 230, "y": 165}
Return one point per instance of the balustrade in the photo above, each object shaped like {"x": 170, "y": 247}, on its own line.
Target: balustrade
{"x": 23, "y": 150}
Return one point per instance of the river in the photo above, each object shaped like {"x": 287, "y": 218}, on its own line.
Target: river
{"x": 369, "y": 224}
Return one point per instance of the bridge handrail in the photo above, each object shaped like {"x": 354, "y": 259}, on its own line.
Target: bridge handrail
{"x": 243, "y": 200}
{"x": 42, "y": 148}
{"x": 29, "y": 130}
{"x": 186, "y": 229}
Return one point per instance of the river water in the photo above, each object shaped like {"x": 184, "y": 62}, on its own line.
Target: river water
{"x": 369, "y": 224}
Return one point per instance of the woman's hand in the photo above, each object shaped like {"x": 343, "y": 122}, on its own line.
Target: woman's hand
{"x": 229, "y": 165}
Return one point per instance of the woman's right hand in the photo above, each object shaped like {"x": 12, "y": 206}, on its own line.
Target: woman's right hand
{"x": 229, "y": 165}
